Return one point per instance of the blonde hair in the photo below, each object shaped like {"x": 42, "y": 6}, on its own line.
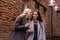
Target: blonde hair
{"x": 24, "y": 13}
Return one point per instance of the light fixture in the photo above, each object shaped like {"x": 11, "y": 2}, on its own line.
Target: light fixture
{"x": 56, "y": 7}
{"x": 52, "y": 3}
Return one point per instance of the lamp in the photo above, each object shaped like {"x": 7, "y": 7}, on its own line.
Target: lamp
{"x": 56, "y": 7}
{"x": 52, "y": 3}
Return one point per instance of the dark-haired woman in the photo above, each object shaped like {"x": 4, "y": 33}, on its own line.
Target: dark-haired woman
{"x": 36, "y": 27}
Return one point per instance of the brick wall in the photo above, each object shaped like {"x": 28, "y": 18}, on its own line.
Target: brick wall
{"x": 10, "y": 9}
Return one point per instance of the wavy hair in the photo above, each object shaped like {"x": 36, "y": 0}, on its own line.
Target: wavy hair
{"x": 39, "y": 16}
{"x": 24, "y": 13}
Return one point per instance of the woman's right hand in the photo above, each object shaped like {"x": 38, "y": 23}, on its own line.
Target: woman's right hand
{"x": 27, "y": 25}
{"x": 30, "y": 31}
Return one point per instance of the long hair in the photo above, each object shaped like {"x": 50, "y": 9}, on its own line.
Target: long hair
{"x": 38, "y": 18}
{"x": 24, "y": 13}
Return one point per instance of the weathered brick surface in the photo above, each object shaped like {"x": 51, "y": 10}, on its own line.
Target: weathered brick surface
{"x": 10, "y": 9}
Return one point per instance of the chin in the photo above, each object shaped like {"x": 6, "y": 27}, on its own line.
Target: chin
{"x": 34, "y": 18}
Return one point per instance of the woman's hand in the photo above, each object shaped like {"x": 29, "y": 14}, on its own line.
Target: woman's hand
{"x": 30, "y": 31}
{"x": 27, "y": 25}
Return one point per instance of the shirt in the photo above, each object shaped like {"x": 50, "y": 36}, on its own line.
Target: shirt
{"x": 35, "y": 32}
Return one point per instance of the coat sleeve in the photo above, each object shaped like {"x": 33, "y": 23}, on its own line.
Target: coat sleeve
{"x": 42, "y": 32}
{"x": 19, "y": 26}
{"x": 44, "y": 37}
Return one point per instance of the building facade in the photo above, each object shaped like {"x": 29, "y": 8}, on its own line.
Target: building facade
{"x": 10, "y": 9}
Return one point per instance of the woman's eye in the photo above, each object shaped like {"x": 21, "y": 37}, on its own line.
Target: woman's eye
{"x": 35, "y": 14}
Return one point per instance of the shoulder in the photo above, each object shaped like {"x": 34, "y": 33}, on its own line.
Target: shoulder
{"x": 19, "y": 17}
{"x": 31, "y": 21}
{"x": 41, "y": 23}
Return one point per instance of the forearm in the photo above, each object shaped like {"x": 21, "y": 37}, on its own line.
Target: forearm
{"x": 21, "y": 28}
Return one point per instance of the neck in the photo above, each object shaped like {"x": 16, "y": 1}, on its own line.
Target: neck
{"x": 35, "y": 20}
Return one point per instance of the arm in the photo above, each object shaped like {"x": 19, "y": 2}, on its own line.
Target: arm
{"x": 19, "y": 26}
{"x": 42, "y": 32}
{"x": 44, "y": 37}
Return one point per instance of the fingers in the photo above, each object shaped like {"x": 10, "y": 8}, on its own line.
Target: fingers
{"x": 30, "y": 30}
{"x": 27, "y": 24}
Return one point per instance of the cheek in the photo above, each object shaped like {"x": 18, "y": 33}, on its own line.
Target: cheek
{"x": 29, "y": 13}
{"x": 34, "y": 16}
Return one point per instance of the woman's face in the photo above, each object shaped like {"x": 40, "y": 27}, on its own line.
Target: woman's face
{"x": 35, "y": 15}
{"x": 29, "y": 14}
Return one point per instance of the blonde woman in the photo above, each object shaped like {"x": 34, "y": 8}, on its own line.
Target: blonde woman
{"x": 21, "y": 25}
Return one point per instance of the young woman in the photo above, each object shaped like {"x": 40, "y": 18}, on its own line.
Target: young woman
{"x": 36, "y": 27}
{"x": 21, "y": 25}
